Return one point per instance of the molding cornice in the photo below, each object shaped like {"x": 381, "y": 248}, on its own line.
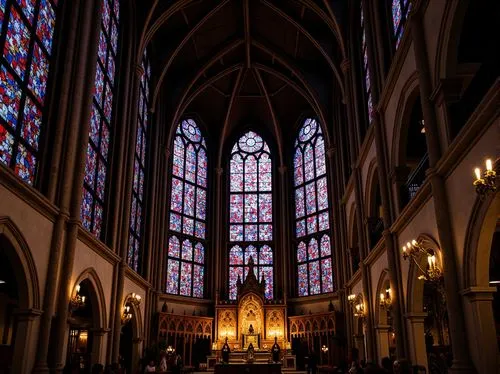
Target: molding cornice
{"x": 97, "y": 246}
{"x": 137, "y": 279}
{"x": 27, "y": 194}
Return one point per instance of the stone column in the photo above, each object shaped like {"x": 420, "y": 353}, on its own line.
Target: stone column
{"x": 79, "y": 121}
{"x": 416, "y": 335}
{"x": 287, "y": 249}
{"x": 481, "y": 322}
{"x": 98, "y": 345}
{"x": 216, "y": 228}
{"x": 461, "y": 357}
{"x": 359, "y": 343}
{"x": 25, "y": 341}
{"x": 136, "y": 352}
{"x": 382, "y": 333}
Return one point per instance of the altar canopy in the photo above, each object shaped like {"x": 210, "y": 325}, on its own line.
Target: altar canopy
{"x": 251, "y": 318}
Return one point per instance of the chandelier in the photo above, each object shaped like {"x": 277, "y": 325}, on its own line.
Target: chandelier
{"x": 485, "y": 182}
{"x": 77, "y": 301}
{"x": 414, "y": 250}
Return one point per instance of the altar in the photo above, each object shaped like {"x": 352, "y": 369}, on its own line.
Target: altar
{"x": 250, "y": 321}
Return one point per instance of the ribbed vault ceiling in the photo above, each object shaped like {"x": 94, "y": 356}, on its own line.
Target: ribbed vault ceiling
{"x": 237, "y": 63}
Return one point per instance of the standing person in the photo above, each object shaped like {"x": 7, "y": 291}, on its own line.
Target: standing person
{"x": 150, "y": 368}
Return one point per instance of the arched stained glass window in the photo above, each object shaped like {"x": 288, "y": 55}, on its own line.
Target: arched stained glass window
{"x": 312, "y": 220}
{"x": 188, "y": 212}
{"x": 399, "y": 12}
{"x": 366, "y": 68}
{"x": 137, "y": 209}
{"x": 100, "y": 135}
{"x": 250, "y": 212}
{"x": 26, "y": 35}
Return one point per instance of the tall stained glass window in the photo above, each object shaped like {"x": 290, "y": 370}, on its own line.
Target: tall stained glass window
{"x": 366, "y": 68}
{"x": 100, "y": 134}
{"x": 188, "y": 212}
{"x": 250, "y": 212}
{"x": 26, "y": 35}
{"x": 399, "y": 12}
{"x": 312, "y": 220}
{"x": 137, "y": 209}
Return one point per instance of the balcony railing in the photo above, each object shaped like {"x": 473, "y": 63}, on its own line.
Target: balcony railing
{"x": 415, "y": 180}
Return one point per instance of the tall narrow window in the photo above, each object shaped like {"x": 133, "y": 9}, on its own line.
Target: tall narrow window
{"x": 26, "y": 34}
{"x": 137, "y": 210}
{"x": 399, "y": 12}
{"x": 314, "y": 254}
{"x": 100, "y": 135}
{"x": 250, "y": 212}
{"x": 188, "y": 212}
{"x": 366, "y": 68}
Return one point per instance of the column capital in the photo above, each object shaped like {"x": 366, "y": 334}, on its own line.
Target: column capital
{"x": 28, "y": 314}
{"x": 139, "y": 71}
{"x": 345, "y": 65}
{"x": 479, "y": 293}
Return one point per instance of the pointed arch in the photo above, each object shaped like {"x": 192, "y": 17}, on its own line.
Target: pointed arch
{"x": 20, "y": 256}
{"x": 98, "y": 300}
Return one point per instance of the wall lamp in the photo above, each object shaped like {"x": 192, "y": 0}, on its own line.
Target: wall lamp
{"x": 357, "y": 305}
{"x": 413, "y": 250}
{"x": 77, "y": 301}
{"x": 386, "y": 299}
{"x": 485, "y": 182}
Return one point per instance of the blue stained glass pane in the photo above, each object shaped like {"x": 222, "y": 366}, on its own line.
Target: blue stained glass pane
{"x": 106, "y": 14}
{"x": 310, "y": 198}
{"x": 173, "y": 276}
{"x": 234, "y": 273}
{"x": 300, "y": 228}
{"x": 6, "y": 144}
{"x": 266, "y": 272}
{"x": 312, "y": 225}
{"x": 198, "y": 281}
{"x": 28, "y": 7}
{"x": 266, "y": 255}
{"x": 302, "y": 280}
{"x": 188, "y": 226}
{"x": 25, "y": 164}
{"x": 396, "y": 14}
{"x": 86, "y": 209}
{"x": 99, "y": 85}
{"x": 45, "y": 25}
{"x": 32, "y": 123}
{"x": 95, "y": 122}
{"x": 105, "y": 136}
{"x": 265, "y": 232}
{"x": 10, "y": 97}
{"x": 187, "y": 250}
{"x": 201, "y": 203}
{"x": 2, "y": 10}
{"x": 325, "y": 246}
{"x": 312, "y": 249}
{"x": 90, "y": 166}
{"x": 176, "y": 197}
{"x": 102, "y": 48}
{"x": 314, "y": 278}
{"x": 17, "y": 43}
{"x": 199, "y": 230}
{"x": 326, "y": 275}
{"x": 189, "y": 201}
{"x": 250, "y": 233}
{"x": 174, "y": 247}
{"x": 175, "y": 222}
{"x": 236, "y": 255}
{"x": 108, "y": 102}
{"x": 114, "y": 36}
{"x": 301, "y": 252}
{"x": 199, "y": 253}
{"x": 324, "y": 223}
{"x": 97, "y": 220}
{"x": 186, "y": 278}
{"x": 39, "y": 72}
{"x": 299, "y": 202}
{"x": 236, "y": 233}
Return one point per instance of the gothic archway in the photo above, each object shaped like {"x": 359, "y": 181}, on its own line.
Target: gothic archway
{"x": 19, "y": 299}
{"x": 385, "y": 335}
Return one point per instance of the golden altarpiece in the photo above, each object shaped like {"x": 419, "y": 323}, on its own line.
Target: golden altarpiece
{"x": 252, "y": 320}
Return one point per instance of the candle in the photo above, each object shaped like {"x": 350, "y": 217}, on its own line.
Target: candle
{"x": 408, "y": 245}
{"x": 404, "y": 248}
{"x": 429, "y": 260}
{"x": 382, "y": 297}
{"x": 489, "y": 165}
{"x": 478, "y": 173}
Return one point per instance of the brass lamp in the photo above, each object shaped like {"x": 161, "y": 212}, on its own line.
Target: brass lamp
{"x": 126, "y": 315}
{"x": 77, "y": 301}
{"x": 485, "y": 182}
{"x": 386, "y": 299}
{"x": 414, "y": 250}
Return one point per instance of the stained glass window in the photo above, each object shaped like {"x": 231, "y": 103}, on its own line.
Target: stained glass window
{"x": 26, "y": 34}
{"x": 251, "y": 211}
{"x": 312, "y": 220}
{"x": 137, "y": 209}
{"x": 366, "y": 68}
{"x": 399, "y": 12}
{"x": 188, "y": 212}
{"x": 100, "y": 134}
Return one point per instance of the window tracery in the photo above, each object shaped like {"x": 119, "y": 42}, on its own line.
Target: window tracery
{"x": 27, "y": 31}
{"x": 251, "y": 212}
{"x": 101, "y": 132}
{"x": 399, "y": 11}
{"x": 312, "y": 220}
{"x": 188, "y": 202}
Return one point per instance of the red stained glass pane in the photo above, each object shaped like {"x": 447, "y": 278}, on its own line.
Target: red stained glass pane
{"x": 173, "y": 247}
{"x": 32, "y": 123}
{"x": 314, "y": 278}
{"x": 199, "y": 253}
{"x": 326, "y": 275}
{"x": 234, "y": 273}
{"x": 301, "y": 252}
{"x": 302, "y": 280}
{"x": 325, "y": 246}
{"x": 17, "y": 43}
{"x": 187, "y": 250}
{"x": 198, "y": 281}
{"x": 173, "y": 277}
{"x": 25, "y": 164}
{"x": 6, "y": 144}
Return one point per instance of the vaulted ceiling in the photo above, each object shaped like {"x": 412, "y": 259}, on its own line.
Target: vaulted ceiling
{"x": 237, "y": 63}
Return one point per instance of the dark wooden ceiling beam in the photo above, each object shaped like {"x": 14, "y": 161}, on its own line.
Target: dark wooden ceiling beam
{"x": 313, "y": 40}
{"x": 277, "y": 132}
{"x": 246, "y": 23}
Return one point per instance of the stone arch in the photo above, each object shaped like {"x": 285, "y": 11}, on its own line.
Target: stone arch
{"x": 97, "y": 296}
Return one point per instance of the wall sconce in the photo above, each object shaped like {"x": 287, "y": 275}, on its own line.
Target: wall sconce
{"x": 324, "y": 349}
{"x": 414, "y": 250}
{"x": 351, "y": 299}
{"x": 126, "y": 314}
{"x": 386, "y": 299}
{"x": 359, "y": 310}
{"x": 77, "y": 301}
{"x": 485, "y": 183}
{"x": 134, "y": 299}
{"x": 170, "y": 350}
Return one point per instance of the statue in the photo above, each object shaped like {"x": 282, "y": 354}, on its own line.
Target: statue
{"x": 275, "y": 350}
{"x": 250, "y": 329}
{"x": 225, "y": 352}
{"x": 250, "y": 353}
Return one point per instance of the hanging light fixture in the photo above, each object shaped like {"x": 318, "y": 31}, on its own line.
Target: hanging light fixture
{"x": 77, "y": 301}
{"x": 485, "y": 182}
{"x": 385, "y": 299}
{"x": 413, "y": 250}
